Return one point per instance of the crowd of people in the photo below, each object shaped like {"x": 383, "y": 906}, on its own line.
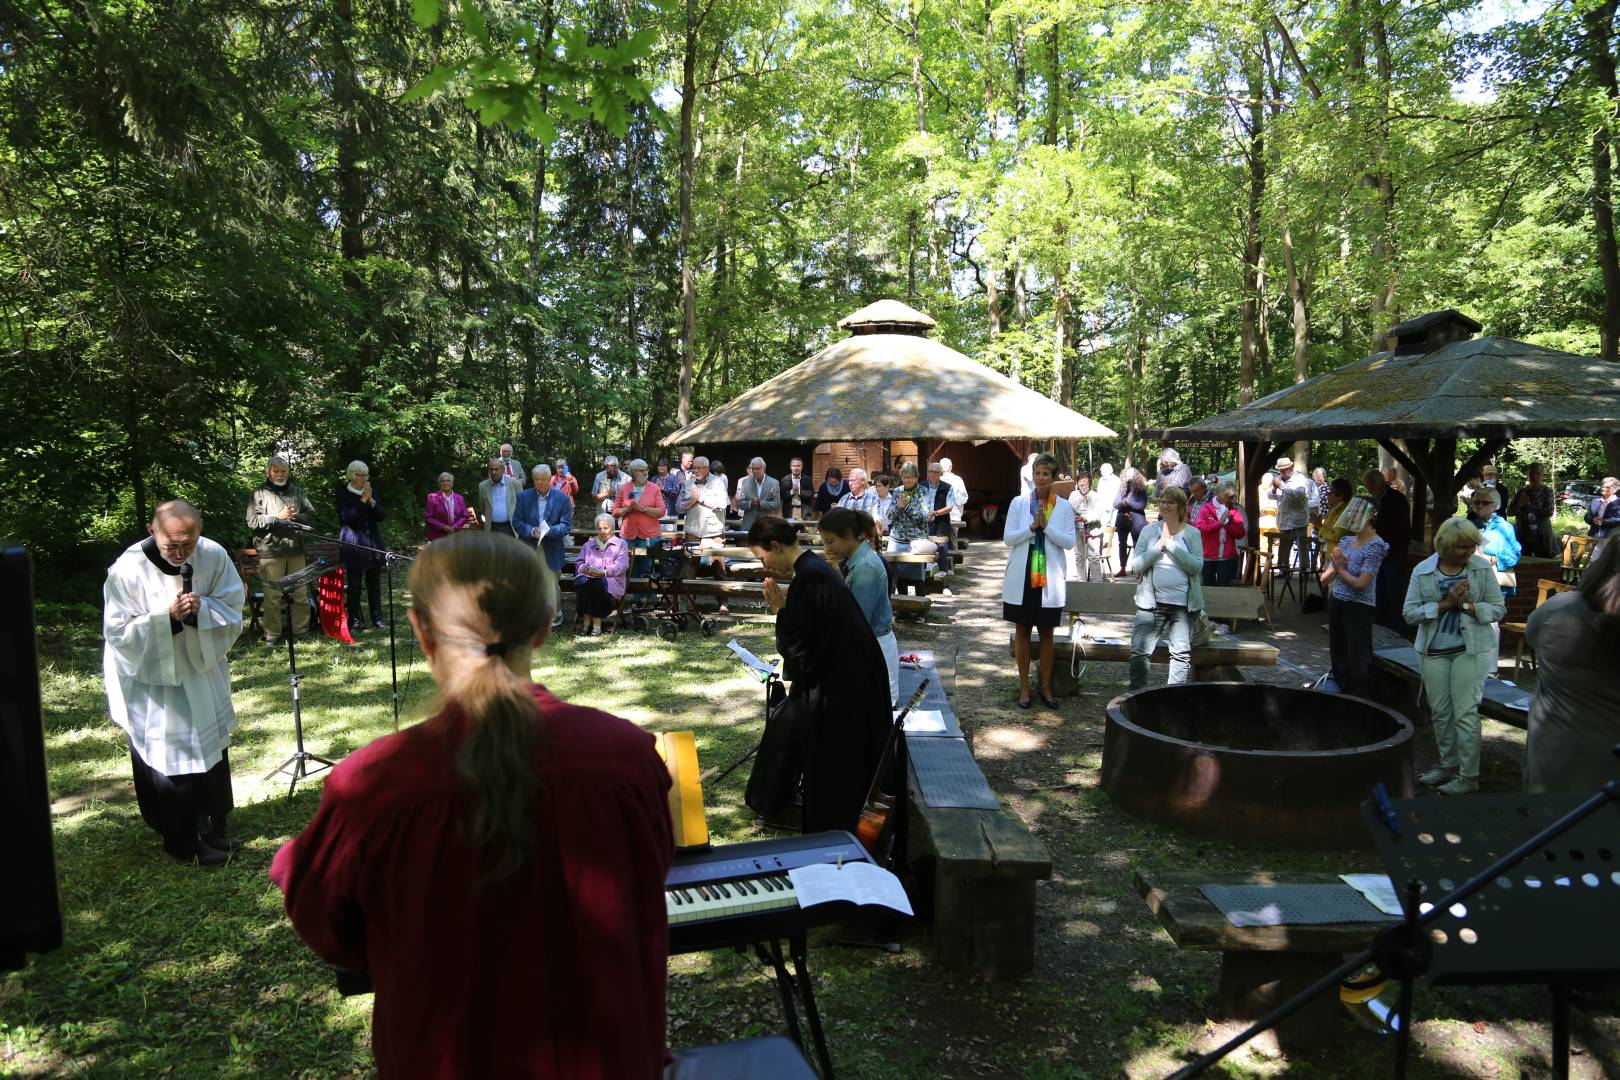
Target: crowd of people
{"x": 487, "y": 829}
{"x": 1357, "y": 543}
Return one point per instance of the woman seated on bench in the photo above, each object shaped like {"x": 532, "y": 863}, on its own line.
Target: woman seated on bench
{"x": 600, "y": 576}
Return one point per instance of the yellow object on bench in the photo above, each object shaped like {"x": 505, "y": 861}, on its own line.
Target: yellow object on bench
{"x": 679, "y": 751}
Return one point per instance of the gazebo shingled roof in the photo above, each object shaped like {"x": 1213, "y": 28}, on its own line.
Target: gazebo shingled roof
{"x": 1434, "y": 385}
{"x": 1486, "y": 387}
{"x": 888, "y": 381}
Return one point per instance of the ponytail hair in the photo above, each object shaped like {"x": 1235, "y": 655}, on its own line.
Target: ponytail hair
{"x": 481, "y": 594}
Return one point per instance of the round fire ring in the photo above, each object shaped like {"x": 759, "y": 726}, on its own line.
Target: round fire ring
{"x": 1253, "y": 764}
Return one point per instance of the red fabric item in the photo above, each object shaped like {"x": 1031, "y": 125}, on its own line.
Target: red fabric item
{"x": 557, "y": 970}
{"x": 334, "y": 615}
{"x": 639, "y": 526}
{"x": 1216, "y": 535}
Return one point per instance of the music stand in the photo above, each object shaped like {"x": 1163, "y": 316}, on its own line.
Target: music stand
{"x": 1550, "y": 919}
{"x": 1569, "y": 846}
{"x": 297, "y": 766}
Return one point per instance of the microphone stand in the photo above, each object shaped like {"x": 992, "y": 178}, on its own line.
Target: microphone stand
{"x": 389, "y": 559}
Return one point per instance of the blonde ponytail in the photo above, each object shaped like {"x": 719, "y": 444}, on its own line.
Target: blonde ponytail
{"x": 480, "y": 593}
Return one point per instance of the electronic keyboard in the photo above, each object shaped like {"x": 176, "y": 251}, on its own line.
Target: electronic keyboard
{"x": 737, "y": 894}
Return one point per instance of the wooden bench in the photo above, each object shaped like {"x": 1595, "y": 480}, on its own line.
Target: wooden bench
{"x": 1227, "y": 602}
{"x": 247, "y": 567}
{"x": 748, "y": 590}
{"x": 1221, "y": 660}
{"x": 1398, "y": 683}
{"x": 971, "y": 871}
{"x": 1261, "y": 966}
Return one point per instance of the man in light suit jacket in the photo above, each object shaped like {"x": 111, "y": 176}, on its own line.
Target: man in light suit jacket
{"x": 758, "y": 494}
{"x": 498, "y": 498}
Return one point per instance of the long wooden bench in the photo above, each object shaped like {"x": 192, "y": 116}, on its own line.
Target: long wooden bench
{"x": 1398, "y": 683}
{"x": 1261, "y": 966}
{"x": 1228, "y": 602}
{"x": 971, "y": 871}
{"x": 749, "y": 590}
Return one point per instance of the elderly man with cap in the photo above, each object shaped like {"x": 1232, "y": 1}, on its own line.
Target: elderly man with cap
{"x": 1173, "y": 472}
{"x": 274, "y": 510}
{"x": 1293, "y": 494}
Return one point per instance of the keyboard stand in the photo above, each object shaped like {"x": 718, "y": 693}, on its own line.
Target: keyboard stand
{"x": 770, "y": 952}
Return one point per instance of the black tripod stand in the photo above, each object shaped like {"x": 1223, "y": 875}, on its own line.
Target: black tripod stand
{"x": 297, "y": 766}
{"x": 390, "y": 558}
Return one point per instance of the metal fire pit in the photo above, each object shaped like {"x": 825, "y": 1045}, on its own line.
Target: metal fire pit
{"x": 1255, "y": 764}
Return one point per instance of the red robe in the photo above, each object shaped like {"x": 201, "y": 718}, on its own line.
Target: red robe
{"x": 557, "y": 970}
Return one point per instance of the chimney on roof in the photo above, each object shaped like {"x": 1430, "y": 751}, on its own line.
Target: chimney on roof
{"x": 1426, "y": 333}
{"x": 887, "y": 317}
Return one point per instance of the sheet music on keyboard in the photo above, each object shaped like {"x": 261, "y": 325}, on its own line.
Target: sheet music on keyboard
{"x": 859, "y": 883}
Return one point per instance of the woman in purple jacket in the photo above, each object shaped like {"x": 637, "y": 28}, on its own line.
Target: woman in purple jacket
{"x": 600, "y": 574}
{"x": 446, "y": 511}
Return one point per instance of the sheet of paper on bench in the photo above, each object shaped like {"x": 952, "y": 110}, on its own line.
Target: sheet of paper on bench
{"x": 1377, "y": 888}
{"x": 859, "y": 883}
{"x": 921, "y": 721}
{"x": 755, "y": 664}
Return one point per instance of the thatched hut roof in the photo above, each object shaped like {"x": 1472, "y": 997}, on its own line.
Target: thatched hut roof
{"x": 1488, "y": 387}
{"x": 888, "y": 381}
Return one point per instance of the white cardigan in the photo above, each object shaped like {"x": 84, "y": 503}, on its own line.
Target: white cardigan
{"x": 1017, "y": 537}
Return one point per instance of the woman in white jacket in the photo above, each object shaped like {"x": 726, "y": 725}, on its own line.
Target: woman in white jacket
{"x": 1039, "y": 533}
{"x": 1453, "y": 599}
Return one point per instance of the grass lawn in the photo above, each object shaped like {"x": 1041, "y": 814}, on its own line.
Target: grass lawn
{"x": 173, "y": 970}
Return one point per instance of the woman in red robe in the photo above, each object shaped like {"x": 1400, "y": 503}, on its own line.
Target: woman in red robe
{"x": 499, "y": 868}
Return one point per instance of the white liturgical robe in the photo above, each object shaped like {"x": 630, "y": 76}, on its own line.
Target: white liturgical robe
{"x": 171, "y": 692}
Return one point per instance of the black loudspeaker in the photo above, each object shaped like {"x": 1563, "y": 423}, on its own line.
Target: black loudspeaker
{"x": 30, "y": 907}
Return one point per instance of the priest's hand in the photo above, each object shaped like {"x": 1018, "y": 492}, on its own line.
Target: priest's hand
{"x": 775, "y": 598}
{"x": 184, "y": 606}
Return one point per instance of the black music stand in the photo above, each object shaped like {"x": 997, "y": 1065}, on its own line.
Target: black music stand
{"x": 297, "y": 766}
{"x": 1559, "y": 856}
{"x": 389, "y": 559}
{"x": 1551, "y": 919}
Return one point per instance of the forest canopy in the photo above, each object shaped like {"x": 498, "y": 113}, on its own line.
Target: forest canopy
{"x": 406, "y": 231}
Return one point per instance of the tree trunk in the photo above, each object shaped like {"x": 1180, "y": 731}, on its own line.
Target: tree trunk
{"x": 1383, "y": 244}
{"x": 1599, "y": 22}
{"x": 1249, "y": 329}
{"x": 352, "y": 131}
{"x": 992, "y": 298}
{"x": 683, "y": 407}
{"x": 1060, "y": 335}
{"x": 530, "y": 404}
{"x": 1054, "y": 85}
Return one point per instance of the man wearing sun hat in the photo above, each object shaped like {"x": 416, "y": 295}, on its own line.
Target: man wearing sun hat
{"x": 1293, "y": 494}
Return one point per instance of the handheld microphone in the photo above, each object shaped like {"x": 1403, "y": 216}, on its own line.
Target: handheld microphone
{"x": 185, "y": 578}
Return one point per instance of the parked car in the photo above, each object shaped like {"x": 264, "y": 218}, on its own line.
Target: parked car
{"x": 1578, "y": 494}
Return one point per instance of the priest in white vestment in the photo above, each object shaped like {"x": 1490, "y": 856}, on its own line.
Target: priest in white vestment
{"x": 168, "y": 683}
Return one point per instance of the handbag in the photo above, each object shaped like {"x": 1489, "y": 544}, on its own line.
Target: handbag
{"x": 1507, "y": 579}
{"x": 1203, "y": 631}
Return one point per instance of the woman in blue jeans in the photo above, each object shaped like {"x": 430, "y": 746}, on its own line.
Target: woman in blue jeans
{"x": 1169, "y": 561}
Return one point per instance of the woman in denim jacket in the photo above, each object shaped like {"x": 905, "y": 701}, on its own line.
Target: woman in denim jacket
{"x": 1453, "y": 599}
{"x": 1169, "y": 561}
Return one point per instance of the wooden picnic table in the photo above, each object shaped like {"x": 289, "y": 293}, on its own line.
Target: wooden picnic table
{"x": 1261, "y": 966}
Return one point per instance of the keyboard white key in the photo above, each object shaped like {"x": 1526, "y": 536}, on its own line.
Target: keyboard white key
{"x": 718, "y": 900}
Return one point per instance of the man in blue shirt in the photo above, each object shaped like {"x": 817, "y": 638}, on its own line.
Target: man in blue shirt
{"x": 545, "y": 516}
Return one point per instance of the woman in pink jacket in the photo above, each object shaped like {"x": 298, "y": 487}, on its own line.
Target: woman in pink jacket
{"x": 638, "y": 505}
{"x": 446, "y": 511}
{"x": 1220, "y": 522}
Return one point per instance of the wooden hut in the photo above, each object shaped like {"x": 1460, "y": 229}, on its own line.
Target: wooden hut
{"x": 886, "y": 394}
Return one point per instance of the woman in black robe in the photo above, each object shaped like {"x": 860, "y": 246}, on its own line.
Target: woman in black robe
{"x": 838, "y": 708}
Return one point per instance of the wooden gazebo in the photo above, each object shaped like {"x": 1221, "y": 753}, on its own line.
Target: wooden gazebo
{"x": 889, "y": 388}
{"x": 1434, "y": 384}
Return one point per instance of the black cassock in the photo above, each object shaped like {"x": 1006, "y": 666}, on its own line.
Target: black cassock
{"x": 839, "y": 705}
